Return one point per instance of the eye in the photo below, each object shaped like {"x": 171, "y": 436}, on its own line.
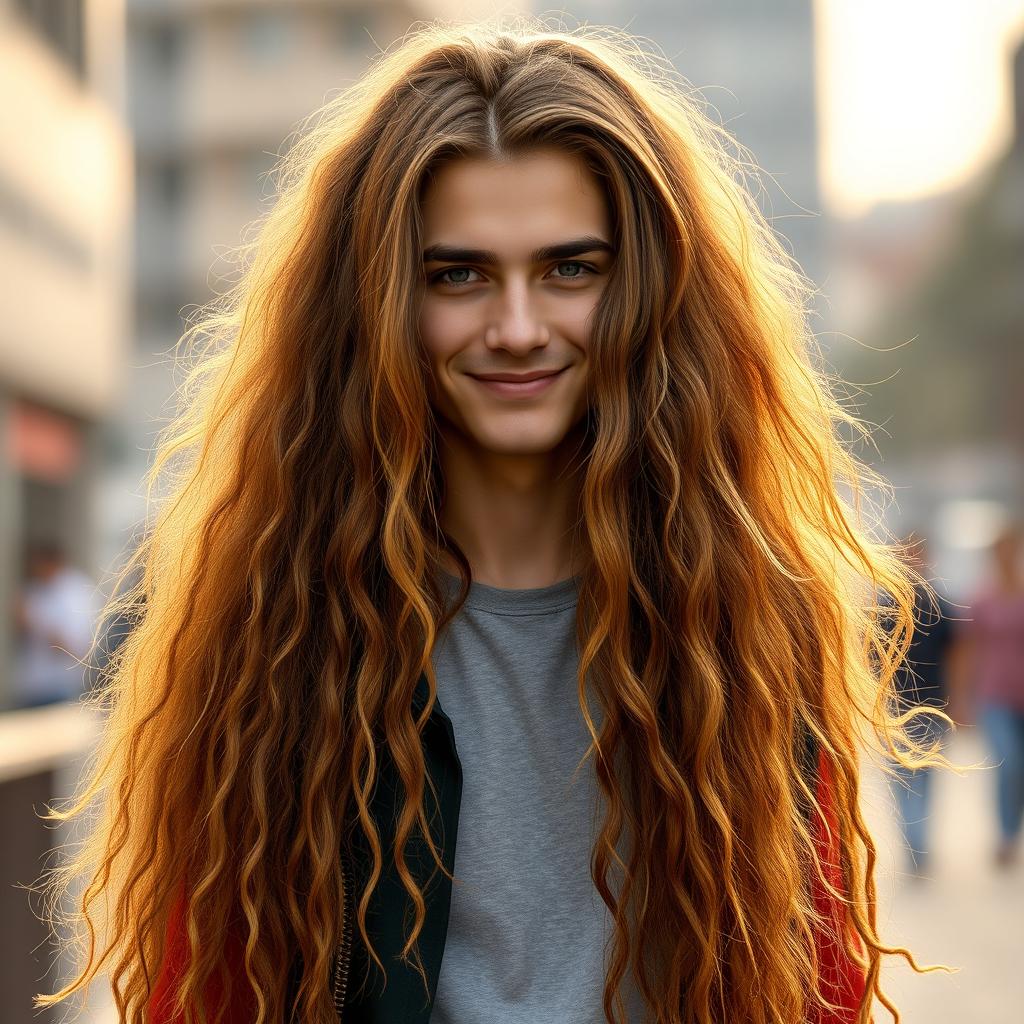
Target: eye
{"x": 441, "y": 276}
{"x": 575, "y": 263}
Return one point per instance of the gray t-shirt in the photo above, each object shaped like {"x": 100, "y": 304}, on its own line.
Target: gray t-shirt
{"x": 527, "y": 931}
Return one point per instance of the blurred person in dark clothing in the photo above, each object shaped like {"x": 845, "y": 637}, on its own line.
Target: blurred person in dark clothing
{"x": 55, "y": 614}
{"x": 921, "y": 680}
{"x": 113, "y": 632}
{"x": 988, "y": 682}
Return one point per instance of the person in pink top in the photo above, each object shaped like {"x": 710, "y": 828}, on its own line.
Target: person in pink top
{"x": 991, "y": 681}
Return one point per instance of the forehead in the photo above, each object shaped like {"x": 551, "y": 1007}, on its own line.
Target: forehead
{"x": 523, "y": 202}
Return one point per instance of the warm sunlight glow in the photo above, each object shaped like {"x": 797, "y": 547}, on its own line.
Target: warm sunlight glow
{"x": 914, "y": 94}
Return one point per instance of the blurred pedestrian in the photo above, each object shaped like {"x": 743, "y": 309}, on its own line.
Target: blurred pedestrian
{"x": 55, "y": 614}
{"x": 921, "y": 681}
{"x": 113, "y": 632}
{"x": 989, "y": 680}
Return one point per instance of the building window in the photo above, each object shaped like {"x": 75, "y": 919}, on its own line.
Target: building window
{"x": 356, "y": 29}
{"x": 257, "y": 168}
{"x": 59, "y": 22}
{"x": 170, "y": 180}
{"x": 166, "y": 43}
{"x": 266, "y": 36}
{"x": 20, "y": 213}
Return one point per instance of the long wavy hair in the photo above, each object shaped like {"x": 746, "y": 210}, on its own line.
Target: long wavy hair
{"x": 286, "y": 601}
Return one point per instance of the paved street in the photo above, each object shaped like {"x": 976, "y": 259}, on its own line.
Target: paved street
{"x": 964, "y": 914}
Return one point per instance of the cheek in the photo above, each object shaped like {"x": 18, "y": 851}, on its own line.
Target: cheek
{"x": 577, "y": 318}
{"x": 441, "y": 329}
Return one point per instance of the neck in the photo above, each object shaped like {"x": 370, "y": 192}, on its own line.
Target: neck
{"x": 515, "y": 515}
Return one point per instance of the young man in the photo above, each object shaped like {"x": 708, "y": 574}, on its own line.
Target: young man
{"x": 517, "y": 255}
{"x": 467, "y": 698}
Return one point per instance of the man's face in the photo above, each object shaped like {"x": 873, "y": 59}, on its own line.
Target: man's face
{"x": 509, "y": 308}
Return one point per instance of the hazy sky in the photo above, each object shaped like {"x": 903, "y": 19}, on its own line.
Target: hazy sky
{"x": 915, "y": 94}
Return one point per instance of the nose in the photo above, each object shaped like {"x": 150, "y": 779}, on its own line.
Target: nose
{"x": 517, "y": 329}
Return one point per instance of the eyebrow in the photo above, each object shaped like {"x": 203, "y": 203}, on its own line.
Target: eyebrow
{"x": 559, "y": 251}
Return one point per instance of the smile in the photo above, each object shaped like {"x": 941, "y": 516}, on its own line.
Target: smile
{"x": 520, "y": 389}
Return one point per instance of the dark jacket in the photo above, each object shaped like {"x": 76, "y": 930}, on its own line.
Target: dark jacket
{"x": 922, "y": 677}
{"x": 403, "y": 999}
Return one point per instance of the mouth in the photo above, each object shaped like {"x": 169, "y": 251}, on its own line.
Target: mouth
{"x": 523, "y": 388}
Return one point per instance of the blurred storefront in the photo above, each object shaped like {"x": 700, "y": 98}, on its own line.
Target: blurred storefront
{"x": 65, "y": 221}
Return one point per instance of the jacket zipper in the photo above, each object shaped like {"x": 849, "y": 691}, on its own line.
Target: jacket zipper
{"x": 343, "y": 952}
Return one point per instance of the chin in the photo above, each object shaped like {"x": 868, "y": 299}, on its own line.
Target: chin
{"x": 520, "y": 445}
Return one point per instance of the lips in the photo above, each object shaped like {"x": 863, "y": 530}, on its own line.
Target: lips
{"x": 517, "y": 378}
{"x": 519, "y": 386}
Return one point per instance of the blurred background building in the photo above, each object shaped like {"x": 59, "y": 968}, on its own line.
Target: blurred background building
{"x": 216, "y": 88}
{"x": 66, "y": 211}
{"x": 935, "y": 298}
{"x": 752, "y": 65}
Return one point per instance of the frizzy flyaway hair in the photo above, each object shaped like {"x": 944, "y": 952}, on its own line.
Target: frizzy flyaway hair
{"x": 286, "y": 600}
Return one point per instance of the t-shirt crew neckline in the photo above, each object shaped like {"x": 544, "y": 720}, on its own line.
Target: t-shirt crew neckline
{"x": 526, "y": 601}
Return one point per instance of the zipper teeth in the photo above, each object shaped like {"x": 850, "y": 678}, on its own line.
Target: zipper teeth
{"x": 342, "y": 954}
